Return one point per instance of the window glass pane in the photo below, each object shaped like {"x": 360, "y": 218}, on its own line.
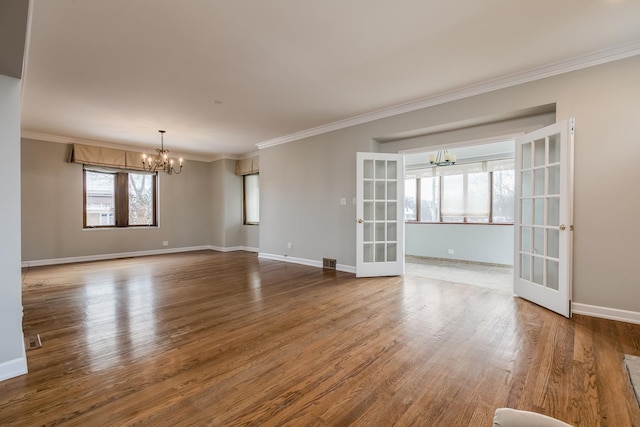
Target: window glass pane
{"x": 367, "y": 253}
{"x": 554, "y": 180}
{"x": 526, "y": 156}
{"x": 392, "y": 232}
{"x": 553, "y": 211}
{"x": 553, "y": 243}
{"x": 100, "y": 197}
{"x": 525, "y": 241}
{"x": 525, "y": 267}
{"x": 368, "y": 211}
{"x": 392, "y": 169}
{"x": 368, "y": 232}
{"x": 410, "y": 213}
{"x": 252, "y": 199}
{"x": 380, "y": 170}
{"x": 430, "y": 199}
{"x": 538, "y": 150}
{"x": 368, "y": 169}
{"x": 503, "y": 196}
{"x": 453, "y": 196}
{"x": 368, "y": 190}
{"x": 538, "y": 211}
{"x": 554, "y": 148}
{"x": 380, "y": 232}
{"x": 140, "y": 199}
{"x": 538, "y": 270}
{"x": 392, "y": 209}
{"x": 477, "y": 206}
{"x": 392, "y": 252}
{"x": 553, "y": 274}
{"x": 380, "y": 190}
{"x": 538, "y": 184}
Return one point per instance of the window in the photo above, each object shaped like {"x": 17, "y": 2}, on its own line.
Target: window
{"x": 472, "y": 193}
{"x": 119, "y": 199}
{"x": 251, "y": 199}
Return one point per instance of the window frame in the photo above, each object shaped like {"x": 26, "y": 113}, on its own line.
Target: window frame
{"x": 121, "y": 199}
{"x": 244, "y": 199}
{"x": 418, "y": 199}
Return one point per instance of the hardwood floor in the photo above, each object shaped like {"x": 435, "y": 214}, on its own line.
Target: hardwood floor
{"x": 225, "y": 339}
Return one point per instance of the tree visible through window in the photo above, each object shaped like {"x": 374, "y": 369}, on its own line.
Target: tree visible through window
{"x": 477, "y": 193}
{"x": 119, "y": 199}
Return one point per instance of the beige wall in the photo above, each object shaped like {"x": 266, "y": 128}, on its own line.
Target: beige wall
{"x": 301, "y": 182}
{"x": 202, "y": 206}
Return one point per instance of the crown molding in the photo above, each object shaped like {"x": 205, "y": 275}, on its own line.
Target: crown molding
{"x": 592, "y": 59}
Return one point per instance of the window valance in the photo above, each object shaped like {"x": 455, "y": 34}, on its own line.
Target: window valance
{"x": 248, "y": 166}
{"x": 102, "y": 156}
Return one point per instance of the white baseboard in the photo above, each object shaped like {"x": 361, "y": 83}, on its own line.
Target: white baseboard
{"x": 233, "y": 248}
{"x": 101, "y": 257}
{"x": 606, "y": 313}
{"x": 303, "y": 261}
{"x": 15, "y": 367}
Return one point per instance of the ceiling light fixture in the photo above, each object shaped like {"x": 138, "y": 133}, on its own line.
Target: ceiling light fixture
{"x": 161, "y": 162}
{"x": 442, "y": 158}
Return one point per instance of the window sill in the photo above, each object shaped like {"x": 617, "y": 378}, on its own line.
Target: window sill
{"x": 140, "y": 227}
{"x": 460, "y": 223}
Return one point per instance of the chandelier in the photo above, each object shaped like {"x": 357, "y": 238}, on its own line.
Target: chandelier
{"x": 442, "y": 158}
{"x": 160, "y": 162}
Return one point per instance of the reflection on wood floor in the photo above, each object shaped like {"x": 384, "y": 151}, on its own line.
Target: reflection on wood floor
{"x": 209, "y": 338}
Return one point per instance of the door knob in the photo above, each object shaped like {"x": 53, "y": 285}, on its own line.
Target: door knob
{"x": 360, "y": 221}
{"x": 562, "y": 227}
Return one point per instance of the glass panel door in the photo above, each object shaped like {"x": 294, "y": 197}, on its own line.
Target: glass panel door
{"x": 380, "y": 221}
{"x": 543, "y": 217}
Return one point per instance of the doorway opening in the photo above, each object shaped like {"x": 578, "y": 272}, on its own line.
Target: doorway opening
{"x": 459, "y": 214}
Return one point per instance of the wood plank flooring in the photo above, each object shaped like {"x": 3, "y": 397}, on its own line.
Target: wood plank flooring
{"x": 225, "y": 339}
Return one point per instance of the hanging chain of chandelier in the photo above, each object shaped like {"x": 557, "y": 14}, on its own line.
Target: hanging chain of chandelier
{"x": 443, "y": 158}
{"x": 160, "y": 162}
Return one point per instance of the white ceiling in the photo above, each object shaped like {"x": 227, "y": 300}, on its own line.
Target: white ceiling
{"x": 221, "y": 76}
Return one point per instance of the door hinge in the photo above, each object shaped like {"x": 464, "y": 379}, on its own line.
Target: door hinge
{"x": 573, "y": 126}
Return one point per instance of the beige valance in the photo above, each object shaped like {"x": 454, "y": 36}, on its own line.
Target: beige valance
{"x": 248, "y": 166}
{"x": 102, "y": 156}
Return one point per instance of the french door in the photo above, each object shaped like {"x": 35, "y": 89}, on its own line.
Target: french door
{"x": 543, "y": 220}
{"x": 380, "y": 215}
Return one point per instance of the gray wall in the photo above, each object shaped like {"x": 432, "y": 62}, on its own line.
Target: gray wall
{"x": 11, "y": 344}
{"x": 301, "y": 182}
{"x": 202, "y": 206}
{"x": 473, "y": 242}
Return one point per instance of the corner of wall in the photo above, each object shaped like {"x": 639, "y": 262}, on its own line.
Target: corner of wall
{"x": 15, "y": 367}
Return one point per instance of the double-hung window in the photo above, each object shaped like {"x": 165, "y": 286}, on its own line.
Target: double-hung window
{"x": 119, "y": 198}
{"x": 251, "y": 199}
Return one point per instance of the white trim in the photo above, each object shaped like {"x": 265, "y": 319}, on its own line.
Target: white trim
{"x": 599, "y": 57}
{"x": 233, "y": 248}
{"x": 307, "y": 262}
{"x": 15, "y": 367}
{"x": 606, "y": 313}
{"x": 102, "y": 257}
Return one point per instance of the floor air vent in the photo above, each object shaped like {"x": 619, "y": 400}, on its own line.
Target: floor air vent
{"x": 32, "y": 342}
{"x": 329, "y": 263}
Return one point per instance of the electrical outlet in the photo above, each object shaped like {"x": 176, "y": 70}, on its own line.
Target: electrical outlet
{"x": 450, "y": 251}
{"x": 289, "y": 245}
{"x": 165, "y": 243}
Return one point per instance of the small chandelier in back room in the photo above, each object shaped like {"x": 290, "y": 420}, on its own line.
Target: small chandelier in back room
{"x": 443, "y": 158}
{"x": 160, "y": 162}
